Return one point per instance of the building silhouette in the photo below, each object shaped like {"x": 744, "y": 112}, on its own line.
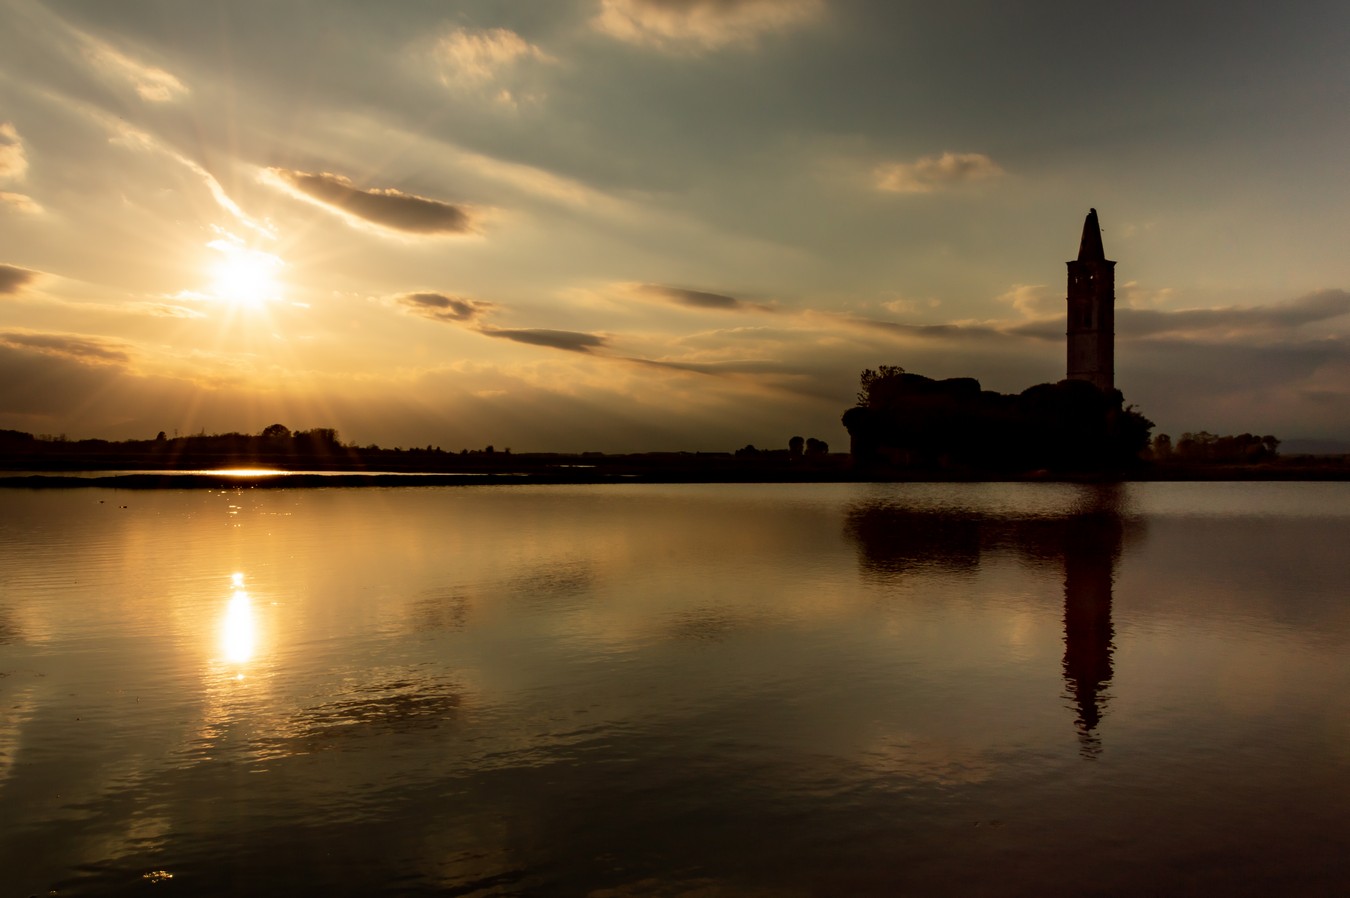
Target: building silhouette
{"x": 1092, "y": 311}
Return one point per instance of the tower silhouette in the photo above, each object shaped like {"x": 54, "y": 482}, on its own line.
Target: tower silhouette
{"x": 1092, "y": 311}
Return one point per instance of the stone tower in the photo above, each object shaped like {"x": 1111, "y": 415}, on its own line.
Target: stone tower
{"x": 1092, "y": 311}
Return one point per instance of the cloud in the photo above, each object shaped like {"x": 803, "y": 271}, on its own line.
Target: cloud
{"x": 13, "y": 278}
{"x": 475, "y": 60}
{"x": 699, "y": 25}
{"x": 571, "y": 341}
{"x": 1312, "y": 308}
{"x": 905, "y": 306}
{"x": 1031, "y": 300}
{"x": 20, "y": 201}
{"x": 84, "y": 349}
{"x": 13, "y": 167}
{"x": 386, "y": 207}
{"x": 13, "y": 157}
{"x": 1132, "y": 295}
{"x": 127, "y": 136}
{"x": 724, "y": 367}
{"x": 933, "y": 173}
{"x": 697, "y": 299}
{"x": 161, "y": 310}
{"x": 152, "y": 84}
{"x": 927, "y": 333}
{"x": 439, "y": 307}
{"x": 1221, "y": 323}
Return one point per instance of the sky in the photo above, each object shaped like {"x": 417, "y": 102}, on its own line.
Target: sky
{"x": 631, "y": 225}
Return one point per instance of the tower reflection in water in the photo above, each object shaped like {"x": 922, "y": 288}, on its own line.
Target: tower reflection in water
{"x": 1084, "y": 542}
{"x": 1091, "y": 547}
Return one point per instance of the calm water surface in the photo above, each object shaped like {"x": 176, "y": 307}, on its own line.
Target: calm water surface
{"x": 670, "y": 690}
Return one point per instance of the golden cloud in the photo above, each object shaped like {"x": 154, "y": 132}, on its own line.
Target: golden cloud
{"x": 698, "y": 25}
{"x": 938, "y": 172}
{"x": 151, "y": 83}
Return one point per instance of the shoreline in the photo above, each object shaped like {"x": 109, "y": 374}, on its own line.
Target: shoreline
{"x": 225, "y": 480}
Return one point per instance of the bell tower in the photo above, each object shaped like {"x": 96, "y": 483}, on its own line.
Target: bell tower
{"x": 1092, "y": 311}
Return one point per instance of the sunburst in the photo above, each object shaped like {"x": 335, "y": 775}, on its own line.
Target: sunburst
{"x": 244, "y": 276}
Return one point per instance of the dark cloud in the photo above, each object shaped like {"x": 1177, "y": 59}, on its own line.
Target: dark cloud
{"x": 1322, "y": 305}
{"x": 697, "y": 299}
{"x": 439, "y": 307}
{"x": 1044, "y": 328}
{"x": 387, "y": 207}
{"x": 571, "y": 341}
{"x": 935, "y": 332}
{"x": 1309, "y": 309}
{"x": 735, "y": 366}
{"x": 13, "y": 279}
{"x": 84, "y": 349}
{"x": 1291, "y": 389}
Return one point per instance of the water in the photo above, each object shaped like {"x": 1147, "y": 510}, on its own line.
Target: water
{"x": 676, "y": 690}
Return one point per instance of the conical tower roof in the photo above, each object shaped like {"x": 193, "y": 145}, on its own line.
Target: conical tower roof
{"x": 1090, "y": 248}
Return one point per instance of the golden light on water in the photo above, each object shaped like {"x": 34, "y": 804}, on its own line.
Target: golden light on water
{"x": 239, "y": 631}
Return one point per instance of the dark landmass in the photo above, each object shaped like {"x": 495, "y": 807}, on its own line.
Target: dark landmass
{"x": 907, "y": 422}
{"x": 909, "y": 427}
{"x": 319, "y": 459}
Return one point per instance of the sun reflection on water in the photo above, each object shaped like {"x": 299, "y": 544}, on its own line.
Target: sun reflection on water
{"x": 239, "y": 629}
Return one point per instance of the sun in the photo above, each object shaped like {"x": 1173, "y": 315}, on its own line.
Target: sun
{"x": 243, "y": 276}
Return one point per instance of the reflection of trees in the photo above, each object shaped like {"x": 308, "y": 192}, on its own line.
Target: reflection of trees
{"x": 1085, "y": 543}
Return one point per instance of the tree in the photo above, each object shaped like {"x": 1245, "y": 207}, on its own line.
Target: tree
{"x": 795, "y": 446}
{"x": 910, "y": 420}
{"x": 276, "y": 432}
{"x": 815, "y": 447}
{"x": 873, "y": 383}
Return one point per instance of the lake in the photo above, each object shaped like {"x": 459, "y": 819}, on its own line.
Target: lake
{"x": 761, "y": 690}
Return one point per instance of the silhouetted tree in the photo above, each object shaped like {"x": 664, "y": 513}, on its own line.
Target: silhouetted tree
{"x": 909, "y": 420}
{"x": 795, "y": 446}
{"x": 875, "y": 383}
{"x": 275, "y": 432}
{"x": 1245, "y": 448}
{"x": 815, "y": 447}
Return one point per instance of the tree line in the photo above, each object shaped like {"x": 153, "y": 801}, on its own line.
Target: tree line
{"x": 906, "y": 420}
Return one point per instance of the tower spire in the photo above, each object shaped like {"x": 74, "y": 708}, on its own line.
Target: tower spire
{"x": 1090, "y": 247}
{"x": 1091, "y": 311}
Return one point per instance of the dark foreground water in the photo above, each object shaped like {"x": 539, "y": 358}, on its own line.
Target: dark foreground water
{"x": 677, "y": 690}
